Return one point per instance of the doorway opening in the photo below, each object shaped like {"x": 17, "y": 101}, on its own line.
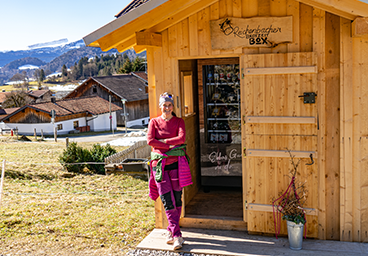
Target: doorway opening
{"x": 219, "y": 175}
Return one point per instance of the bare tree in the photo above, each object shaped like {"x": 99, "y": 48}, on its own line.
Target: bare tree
{"x": 16, "y": 99}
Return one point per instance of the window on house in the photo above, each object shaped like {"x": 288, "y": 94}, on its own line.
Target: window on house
{"x": 76, "y": 124}
{"x": 187, "y": 87}
{"x": 94, "y": 89}
{"x": 60, "y": 127}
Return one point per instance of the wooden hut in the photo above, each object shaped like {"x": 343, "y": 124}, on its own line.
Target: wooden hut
{"x": 295, "y": 72}
{"x": 129, "y": 87}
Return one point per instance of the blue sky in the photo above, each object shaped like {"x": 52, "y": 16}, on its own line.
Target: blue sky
{"x": 28, "y": 22}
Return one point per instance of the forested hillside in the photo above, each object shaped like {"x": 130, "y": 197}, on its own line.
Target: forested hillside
{"x": 104, "y": 65}
{"x": 70, "y": 59}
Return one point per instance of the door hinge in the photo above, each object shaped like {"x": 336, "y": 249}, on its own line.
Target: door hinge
{"x": 246, "y": 205}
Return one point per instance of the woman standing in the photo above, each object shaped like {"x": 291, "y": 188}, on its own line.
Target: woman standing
{"x": 169, "y": 166}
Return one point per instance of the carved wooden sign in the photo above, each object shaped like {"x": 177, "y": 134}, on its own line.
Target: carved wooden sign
{"x": 230, "y": 32}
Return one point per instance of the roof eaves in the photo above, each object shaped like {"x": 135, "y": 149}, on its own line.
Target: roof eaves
{"x": 109, "y": 89}
{"x": 71, "y": 112}
{"x": 141, "y": 78}
{"x": 349, "y": 9}
{"x": 15, "y": 112}
{"x": 131, "y": 6}
{"x": 91, "y": 78}
{"x": 121, "y": 21}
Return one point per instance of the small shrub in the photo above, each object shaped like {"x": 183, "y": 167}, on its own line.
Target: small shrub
{"x": 98, "y": 154}
{"x": 74, "y": 154}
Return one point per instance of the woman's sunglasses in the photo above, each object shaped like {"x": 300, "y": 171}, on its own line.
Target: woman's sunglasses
{"x": 166, "y": 95}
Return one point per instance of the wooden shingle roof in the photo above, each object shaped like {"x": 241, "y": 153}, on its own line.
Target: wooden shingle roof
{"x": 7, "y": 111}
{"x": 91, "y": 104}
{"x": 48, "y": 106}
{"x": 37, "y": 93}
{"x": 126, "y": 87}
{"x": 141, "y": 74}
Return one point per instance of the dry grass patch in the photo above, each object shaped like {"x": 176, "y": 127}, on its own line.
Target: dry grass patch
{"x": 47, "y": 211}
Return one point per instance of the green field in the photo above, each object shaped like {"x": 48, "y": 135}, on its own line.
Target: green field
{"x": 48, "y": 211}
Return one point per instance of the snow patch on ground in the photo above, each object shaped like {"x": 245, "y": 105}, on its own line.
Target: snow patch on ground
{"x": 129, "y": 139}
{"x": 69, "y": 87}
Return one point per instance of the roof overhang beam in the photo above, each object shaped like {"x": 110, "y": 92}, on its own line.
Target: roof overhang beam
{"x": 349, "y": 9}
{"x": 360, "y": 27}
{"x": 148, "y": 18}
{"x": 92, "y": 38}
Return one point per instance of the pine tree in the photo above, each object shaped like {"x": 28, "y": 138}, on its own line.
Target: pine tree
{"x": 42, "y": 75}
{"x": 138, "y": 64}
{"x": 80, "y": 73}
{"x": 127, "y": 67}
{"x": 64, "y": 71}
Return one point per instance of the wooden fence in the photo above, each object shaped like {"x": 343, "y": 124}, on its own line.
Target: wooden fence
{"x": 139, "y": 150}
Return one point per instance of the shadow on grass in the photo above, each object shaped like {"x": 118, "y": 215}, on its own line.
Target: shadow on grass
{"x": 20, "y": 175}
{"x": 15, "y": 174}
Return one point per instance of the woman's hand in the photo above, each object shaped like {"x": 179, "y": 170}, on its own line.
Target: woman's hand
{"x": 164, "y": 141}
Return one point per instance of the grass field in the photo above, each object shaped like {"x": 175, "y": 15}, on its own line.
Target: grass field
{"x": 48, "y": 211}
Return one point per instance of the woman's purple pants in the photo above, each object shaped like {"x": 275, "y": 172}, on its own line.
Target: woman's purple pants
{"x": 170, "y": 193}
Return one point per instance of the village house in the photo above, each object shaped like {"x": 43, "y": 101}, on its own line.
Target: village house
{"x": 90, "y": 113}
{"x": 37, "y": 96}
{"x": 252, "y": 78}
{"x": 32, "y": 96}
{"x": 131, "y": 88}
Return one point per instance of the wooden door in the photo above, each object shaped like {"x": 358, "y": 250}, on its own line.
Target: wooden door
{"x": 275, "y": 119}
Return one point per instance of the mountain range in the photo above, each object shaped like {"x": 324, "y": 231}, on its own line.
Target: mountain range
{"x": 49, "y": 58}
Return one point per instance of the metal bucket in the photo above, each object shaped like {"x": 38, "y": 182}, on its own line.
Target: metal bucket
{"x": 295, "y": 235}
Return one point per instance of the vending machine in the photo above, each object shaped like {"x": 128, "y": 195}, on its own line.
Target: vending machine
{"x": 220, "y": 129}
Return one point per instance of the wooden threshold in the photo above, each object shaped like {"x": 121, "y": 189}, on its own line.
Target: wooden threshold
{"x": 281, "y": 70}
{"x": 279, "y": 153}
{"x": 280, "y": 119}
{"x": 213, "y": 222}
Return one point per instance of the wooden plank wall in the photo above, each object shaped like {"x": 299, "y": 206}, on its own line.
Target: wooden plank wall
{"x": 354, "y": 140}
{"x": 191, "y": 37}
{"x": 317, "y": 31}
{"x": 360, "y": 139}
{"x": 347, "y": 139}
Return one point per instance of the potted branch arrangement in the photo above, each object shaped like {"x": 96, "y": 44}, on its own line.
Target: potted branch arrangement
{"x": 289, "y": 207}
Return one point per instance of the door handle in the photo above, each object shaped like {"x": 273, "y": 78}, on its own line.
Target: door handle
{"x": 312, "y": 161}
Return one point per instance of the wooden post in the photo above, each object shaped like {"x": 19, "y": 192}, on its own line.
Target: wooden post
{"x": 35, "y": 134}
{"x": 2, "y": 182}
{"x": 110, "y": 117}
{"x": 42, "y": 134}
{"x": 67, "y": 142}
{"x": 55, "y": 134}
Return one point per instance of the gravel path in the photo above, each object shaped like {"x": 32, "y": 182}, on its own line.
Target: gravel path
{"x": 139, "y": 252}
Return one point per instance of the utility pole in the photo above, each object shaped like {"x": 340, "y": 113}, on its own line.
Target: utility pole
{"x": 110, "y": 113}
{"x": 125, "y": 121}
